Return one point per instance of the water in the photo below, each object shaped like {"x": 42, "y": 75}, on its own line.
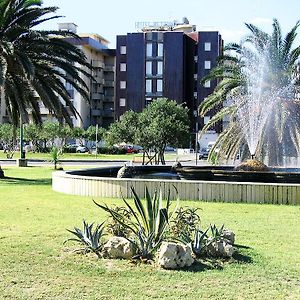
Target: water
{"x": 265, "y": 108}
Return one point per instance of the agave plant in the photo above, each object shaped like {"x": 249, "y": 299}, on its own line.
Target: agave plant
{"x": 88, "y": 237}
{"x": 148, "y": 223}
{"x": 216, "y": 233}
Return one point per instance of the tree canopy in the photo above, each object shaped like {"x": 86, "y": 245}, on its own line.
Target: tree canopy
{"x": 161, "y": 123}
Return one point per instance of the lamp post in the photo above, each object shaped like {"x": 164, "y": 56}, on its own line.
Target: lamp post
{"x": 196, "y": 135}
{"x": 96, "y": 140}
{"x": 22, "y": 162}
{"x": 22, "y": 152}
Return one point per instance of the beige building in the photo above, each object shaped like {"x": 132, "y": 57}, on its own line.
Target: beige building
{"x": 100, "y": 109}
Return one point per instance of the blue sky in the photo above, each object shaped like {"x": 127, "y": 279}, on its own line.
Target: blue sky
{"x": 111, "y": 18}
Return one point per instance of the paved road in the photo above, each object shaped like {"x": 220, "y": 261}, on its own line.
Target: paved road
{"x": 188, "y": 159}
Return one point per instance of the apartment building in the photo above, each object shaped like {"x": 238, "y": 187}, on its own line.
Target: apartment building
{"x": 100, "y": 108}
{"x": 166, "y": 61}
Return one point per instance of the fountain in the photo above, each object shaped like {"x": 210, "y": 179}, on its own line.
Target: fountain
{"x": 267, "y": 120}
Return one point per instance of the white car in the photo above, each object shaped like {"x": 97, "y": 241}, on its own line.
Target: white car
{"x": 82, "y": 149}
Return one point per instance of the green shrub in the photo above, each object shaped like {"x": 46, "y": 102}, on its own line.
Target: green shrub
{"x": 111, "y": 150}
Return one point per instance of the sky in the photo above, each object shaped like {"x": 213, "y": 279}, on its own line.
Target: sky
{"x": 110, "y": 18}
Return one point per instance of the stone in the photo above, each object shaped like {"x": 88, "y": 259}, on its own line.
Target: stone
{"x": 118, "y": 247}
{"x": 220, "y": 248}
{"x": 176, "y": 165}
{"x": 228, "y": 235}
{"x": 252, "y": 165}
{"x": 126, "y": 172}
{"x": 175, "y": 256}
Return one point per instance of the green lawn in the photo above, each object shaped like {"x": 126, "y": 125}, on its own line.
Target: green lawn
{"x": 35, "y": 264}
{"x": 46, "y": 156}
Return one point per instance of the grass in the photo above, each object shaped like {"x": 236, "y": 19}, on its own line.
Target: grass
{"x": 35, "y": 264}
{"x": 46, "y": 156}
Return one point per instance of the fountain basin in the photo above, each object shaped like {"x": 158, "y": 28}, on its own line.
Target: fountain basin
{"x": 102, "y": 182}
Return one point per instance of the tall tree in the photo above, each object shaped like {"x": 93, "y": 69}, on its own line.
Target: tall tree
{"x": 162, "y": 123}
{"x": 263, "y": 67}
{"x": 34, "y": 64}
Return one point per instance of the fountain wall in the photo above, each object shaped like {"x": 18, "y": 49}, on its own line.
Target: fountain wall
{"x": 215, "y": 191}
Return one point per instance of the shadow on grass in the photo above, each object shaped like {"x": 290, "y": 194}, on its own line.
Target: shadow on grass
{"x": 204, "y": 264}
{"x": 24, "y": 181}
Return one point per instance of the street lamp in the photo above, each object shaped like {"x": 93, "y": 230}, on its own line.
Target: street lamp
{"x": 22, "y": 152}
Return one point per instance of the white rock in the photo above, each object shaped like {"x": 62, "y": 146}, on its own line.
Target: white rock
{"x": 219, "y": 248}
{"x": 118, "y": 247}
{"x": 175, "y": 256}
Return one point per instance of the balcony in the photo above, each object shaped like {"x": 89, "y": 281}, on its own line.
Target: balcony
{"x": 108, "y": 68}
{"x": 109, "y": 113}
{"x": 97, "y": 96}
{"x": 109, "y": 98}
{"x": 109, "y": 83}
{"x": 97, "y": 64}
{"x": 96, "y": 112}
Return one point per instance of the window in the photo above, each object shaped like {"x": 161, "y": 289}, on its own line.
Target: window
{"x": 160, "y": 36}
{"x": 148, "y": 36}
{"x": 160, "y": 49}
{"x": 148, "y": 67}
{"x": 149, "y": 49}
{"x": 122, "y": 102}
{"x": 195, "y": 94}
{"x": 207, "y": 65}
{"x": 148, "y": 86}
{"x": 159, "y": 85}
{"x": 122, "y": 67}
{"x": 148, "y": 101}
{"x": 122, "y": 85}
{"x": 196, "y": 58}
{"x": 195, "y": 76}
{"x": 206, "y": 119}
{"x": 207, "y": 46}
{"x": 207, "y": 84}
{"x": 160, "y": 68}
{"x": 123, "y": 49}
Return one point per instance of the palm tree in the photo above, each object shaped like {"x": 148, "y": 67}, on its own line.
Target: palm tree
{"x": 34, "y": 64}
{"x": 256, "y": 89}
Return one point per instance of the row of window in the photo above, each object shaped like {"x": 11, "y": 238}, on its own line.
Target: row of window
{"x": 149, "y": 86}
{"x": 160, "y": 48}
{"x": 149, "y": 67}
{"x": 159, "y": 67}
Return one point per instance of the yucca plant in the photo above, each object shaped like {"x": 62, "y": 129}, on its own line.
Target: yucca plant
{"x": 55, "y": 155}
{"x": 148, "y": 223}
{"x": 88, "y": 237}
{"x": 185, "y": 221}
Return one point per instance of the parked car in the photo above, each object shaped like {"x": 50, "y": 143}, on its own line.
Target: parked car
{"x": 170, "y": 149}
{"x": 82, "y": 149}
{"x": 133, "y": 149}
{"x": 204, "y": 152}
